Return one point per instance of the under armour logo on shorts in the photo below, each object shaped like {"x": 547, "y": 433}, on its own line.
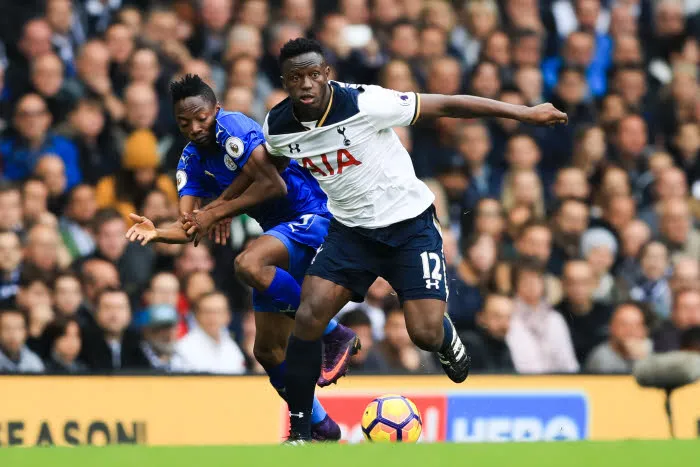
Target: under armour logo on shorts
{"x": 430, "y": 284}
{"x": 294, "y": 148}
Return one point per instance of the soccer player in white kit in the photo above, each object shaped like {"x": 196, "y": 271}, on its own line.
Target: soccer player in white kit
{"x": 384, "y": 221}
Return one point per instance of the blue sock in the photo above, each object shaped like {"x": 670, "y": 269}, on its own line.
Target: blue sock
{"x": 284, "y": 290}
{"x": 331, "y": 326}
{"x": 318, "y": 413}
{"x": 449, "y": 333}
{"x": 276, "y": 374}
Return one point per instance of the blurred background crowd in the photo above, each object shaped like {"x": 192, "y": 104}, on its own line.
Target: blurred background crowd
{"x": 573, "y": 249}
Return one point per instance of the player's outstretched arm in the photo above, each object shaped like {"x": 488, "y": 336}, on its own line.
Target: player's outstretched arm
{"x": 145, "y": 232}
{"x": 462, "y": 106}
{"x": 266, "y": 184}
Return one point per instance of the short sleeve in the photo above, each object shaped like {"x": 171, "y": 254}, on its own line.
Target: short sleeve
{"x": 266, "y": 134}
{"x": 238, "y": 135}
{"x": 387, "y": 108}
{"x": 186, "y": 182}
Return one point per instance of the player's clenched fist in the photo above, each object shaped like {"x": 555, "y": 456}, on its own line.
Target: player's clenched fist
{"x": 545, "y": 114}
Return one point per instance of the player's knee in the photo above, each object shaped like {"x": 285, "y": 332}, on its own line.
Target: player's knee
{"x": 308, "y": 324}
{"x": 268, "y": 354}
{"x": 248, "y": 268}
{"x": 427, "y": 338}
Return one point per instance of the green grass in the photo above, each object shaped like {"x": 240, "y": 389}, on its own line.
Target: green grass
{"x": 566, "y": 454}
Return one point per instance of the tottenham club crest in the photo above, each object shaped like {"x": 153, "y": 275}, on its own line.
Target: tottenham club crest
{"x": 181, "y": 179}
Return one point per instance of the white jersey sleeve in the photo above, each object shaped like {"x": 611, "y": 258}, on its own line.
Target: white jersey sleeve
{"x": 266, "y": 133}
{"x": 387, "y": 108}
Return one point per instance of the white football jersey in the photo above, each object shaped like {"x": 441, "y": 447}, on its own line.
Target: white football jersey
{"x": 355, "y": 154}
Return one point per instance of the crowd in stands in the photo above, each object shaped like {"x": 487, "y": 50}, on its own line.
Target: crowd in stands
{"x": 569, "y": 249}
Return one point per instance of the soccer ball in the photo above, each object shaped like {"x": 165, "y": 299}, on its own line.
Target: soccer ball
{"x": 392, "y": 418}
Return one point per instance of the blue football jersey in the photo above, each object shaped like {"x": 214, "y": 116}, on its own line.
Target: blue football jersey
{"x": 206, "y": 174}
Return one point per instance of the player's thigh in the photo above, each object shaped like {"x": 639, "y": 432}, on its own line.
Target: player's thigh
{"x": 424, "y": 321}
{"x": 263, "y": 251}
{"x": 321, "y": 300}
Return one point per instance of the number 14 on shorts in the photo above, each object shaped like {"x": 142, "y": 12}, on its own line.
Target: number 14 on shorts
{"x": 431, "y": 269}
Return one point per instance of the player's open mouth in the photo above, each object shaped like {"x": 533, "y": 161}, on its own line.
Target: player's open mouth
{"x": 306, "y": 99}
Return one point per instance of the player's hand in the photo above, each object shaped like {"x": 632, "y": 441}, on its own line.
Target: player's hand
{"x": 544, "y": 114}
{"x": 142, "y": 231}
{"x": 198, "y": 223}
{"x": 221, "y": 232}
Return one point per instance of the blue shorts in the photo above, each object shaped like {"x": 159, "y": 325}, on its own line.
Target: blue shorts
{"x": 302, "y": 237}
{"x": 407, "y": 254}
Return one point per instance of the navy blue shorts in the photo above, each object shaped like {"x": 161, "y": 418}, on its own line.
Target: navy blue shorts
{"x": 407, "y": 254}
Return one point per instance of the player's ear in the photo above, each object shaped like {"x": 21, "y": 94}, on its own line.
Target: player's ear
{"x": 284, "y": 83}
{"x": 328, "y": 71}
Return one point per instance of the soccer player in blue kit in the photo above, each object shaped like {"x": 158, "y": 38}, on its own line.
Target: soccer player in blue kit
{"x": 226, "y": 160}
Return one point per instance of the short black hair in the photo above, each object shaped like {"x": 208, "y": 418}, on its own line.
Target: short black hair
{"x": 299, "y": 46}
{"x": 191, "y": 86}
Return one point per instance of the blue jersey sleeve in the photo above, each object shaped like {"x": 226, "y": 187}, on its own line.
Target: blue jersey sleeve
{"x": 238, "y": 135}
{"x": 186, "y": 177}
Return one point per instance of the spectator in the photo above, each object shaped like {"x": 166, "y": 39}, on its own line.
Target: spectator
{"x": 570, "y": 222}
{"x": 589, "y": 149}
{"x": 487, "y": 344}
{"x": 538, "y": 339}
{"x": 474, "y": 144}
{"x": 76, "y": 223}
{"x": 63, "y": 340}
{"x": 32, "y": 139}
{"x": 686, "y": 273}
{"x": 630, "y": 146}
{"x": 470, "y": 280}
{"x": 685, "y": 314}
{"x": 578, "y": 51}
{"x": 96, "y": 275}
{"x": 34, "y": 202}
{"x": 119, "y": 40}
{"x": 52, "y": 172}
{"x": 586, "y": 318}
{"x": 599, "y": 248}
{"x": 34, "y": 42}
{"x": 127, "y": 189}
{"x": 208, "y": 347}
{"x": 627, "y": 344}
{"x": 676, "y": 229}
{"x": 571, "y": 182}
{"x": 10, "y": 207}
{"x": 10, "y": 260}
{"x": 487, "y": 218}
{"x": 67, "y": 295}
{"x": 156, "y": 350}
{"x": 88, "y": 128}
{"x": 367, "y": 359}
{"x": 47, "y": 79}
{"x": 652, "y": 285}
{"x": 400, "y": 354}
{"x": 635, "y": 235}
{"x": 43, "y": 249}
{"x": 133, "y": 261}
{"x": 15, "y": 357}
{"x": 524, "y": 188}
{"x": 106, "y": 339}
{"x": 534, "y": 241}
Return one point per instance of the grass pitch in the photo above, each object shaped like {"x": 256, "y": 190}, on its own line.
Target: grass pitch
{"x": 563, "y": 454}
